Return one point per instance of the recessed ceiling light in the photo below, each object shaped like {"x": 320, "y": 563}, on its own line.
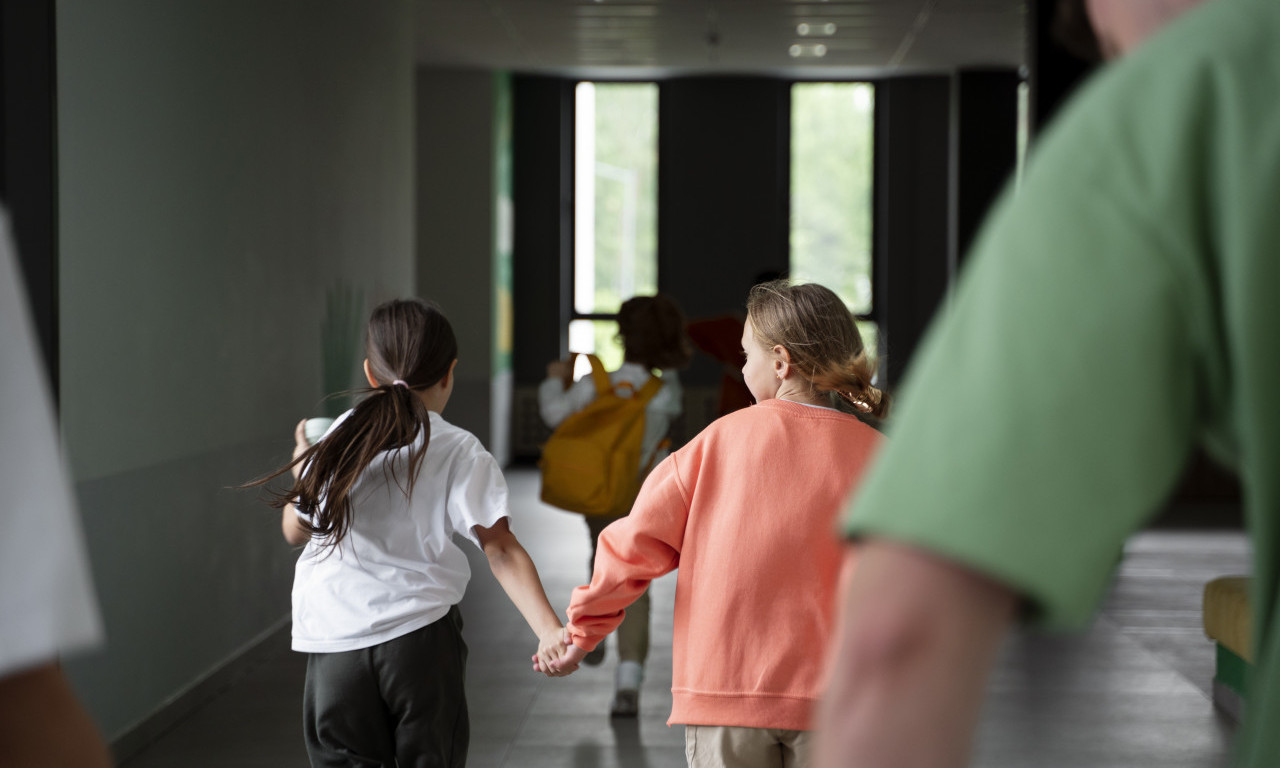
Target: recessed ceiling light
{"x": 806, "y": 29}
{"x": 798, "y": 51}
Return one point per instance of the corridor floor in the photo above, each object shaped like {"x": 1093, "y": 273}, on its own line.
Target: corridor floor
{"x": 1132, "y": 691}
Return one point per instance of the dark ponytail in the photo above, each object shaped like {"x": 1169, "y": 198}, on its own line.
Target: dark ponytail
{"x": 409, "y": 345}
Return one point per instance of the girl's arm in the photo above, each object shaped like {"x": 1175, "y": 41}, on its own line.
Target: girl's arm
{"x": 515, "y": 571}
{"x": 42, "y": 722}
{"x": 290, "y": 526}
{"x": 556, "y": 403}
{"x": 631, "y": 552}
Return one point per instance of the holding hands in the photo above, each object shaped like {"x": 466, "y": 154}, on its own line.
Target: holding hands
{"x": 558, "y": 656}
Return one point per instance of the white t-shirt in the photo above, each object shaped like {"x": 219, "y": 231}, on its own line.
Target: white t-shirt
{"x": 47, "y": 605}
{"x": 556, "y": 404}
{"x": 398, "y": 568}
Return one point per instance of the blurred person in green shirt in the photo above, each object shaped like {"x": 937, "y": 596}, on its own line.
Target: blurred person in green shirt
{"x": 1115, "y": 314}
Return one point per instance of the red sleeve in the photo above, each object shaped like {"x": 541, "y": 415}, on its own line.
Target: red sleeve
{"x": 720, "y": 337}
{"x": 632, "y": 552}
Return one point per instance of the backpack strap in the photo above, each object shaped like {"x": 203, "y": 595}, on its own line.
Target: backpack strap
{"x": 599, "y": 375}
{"x": 649, "y": 389}
{"x": 604, "y": 385}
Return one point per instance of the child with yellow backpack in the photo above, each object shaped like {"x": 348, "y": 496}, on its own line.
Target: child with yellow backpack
{"x": 576, "y": 471}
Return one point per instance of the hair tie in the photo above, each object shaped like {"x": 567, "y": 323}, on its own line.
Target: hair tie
{"x": 856, "y": 402}
{"x": 400, "y": 383}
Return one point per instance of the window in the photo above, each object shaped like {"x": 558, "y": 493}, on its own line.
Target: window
{"x": 832, "y": 128}
{"x": 615, "y": 218}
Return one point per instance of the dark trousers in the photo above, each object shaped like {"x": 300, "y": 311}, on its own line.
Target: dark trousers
{"x": 401, "y": 703}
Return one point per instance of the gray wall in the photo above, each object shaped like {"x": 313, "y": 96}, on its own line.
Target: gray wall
{"x": 222, "y": 165}
{"x": 457, "y": 225}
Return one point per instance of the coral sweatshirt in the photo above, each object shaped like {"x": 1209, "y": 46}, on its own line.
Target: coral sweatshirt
{"x": 747, "y": 512}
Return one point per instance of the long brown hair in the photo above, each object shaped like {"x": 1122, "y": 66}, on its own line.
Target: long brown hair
{"x": 410, "y": 345}
{"x": 817, "y": 330}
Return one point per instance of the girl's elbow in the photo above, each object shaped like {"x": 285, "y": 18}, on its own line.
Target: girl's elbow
{"x": 504, "y": 550}
{"x": 500, "y": 560}
{"x": 292, "y": 529}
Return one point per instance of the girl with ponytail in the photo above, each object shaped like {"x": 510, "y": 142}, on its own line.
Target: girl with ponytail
{"x": 747, "y": 512}
{"x": 377, "y": 502}
{"x": 809, "y": 328}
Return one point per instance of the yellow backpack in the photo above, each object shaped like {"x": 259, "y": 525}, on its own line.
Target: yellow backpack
{"x": 591, "y": 462}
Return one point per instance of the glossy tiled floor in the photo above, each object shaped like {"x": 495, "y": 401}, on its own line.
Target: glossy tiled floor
{"x": 1131, "y": 691}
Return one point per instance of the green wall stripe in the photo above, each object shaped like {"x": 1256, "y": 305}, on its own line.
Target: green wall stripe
{"x": 1232, "y": 671}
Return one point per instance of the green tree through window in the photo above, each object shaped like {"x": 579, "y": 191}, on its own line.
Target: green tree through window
{"x": 615, "y": 218}
{"x": 831, "y": 185}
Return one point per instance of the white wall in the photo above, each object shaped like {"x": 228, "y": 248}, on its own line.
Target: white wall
{"x": 222, "y": 164}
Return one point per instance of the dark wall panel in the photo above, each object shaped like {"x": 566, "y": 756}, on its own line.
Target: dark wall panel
{"x": 911, "y": 225}
{"x": 542, "y": 181}
{"x": 1055, "y": 71}
{"x": 28, "y": 167}
{"x": 984, "y": 146}
{"x": 724, "y": 188}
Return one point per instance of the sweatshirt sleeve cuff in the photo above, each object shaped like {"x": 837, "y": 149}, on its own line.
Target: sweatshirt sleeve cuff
{"x": 581, "y": 640}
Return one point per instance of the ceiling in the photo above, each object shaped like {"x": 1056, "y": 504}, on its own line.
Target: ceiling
{"x": 631, "y": 39}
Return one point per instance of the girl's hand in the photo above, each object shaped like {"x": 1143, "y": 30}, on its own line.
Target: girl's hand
{"x": 553, "y": 656}
{"x": 300, "y": 445}
{"x": 562, "y": 370}
{"x": 572, "y": 657}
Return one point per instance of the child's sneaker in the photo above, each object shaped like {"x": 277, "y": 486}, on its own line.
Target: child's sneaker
{"x": 626, "y": 699}
{"x": 625, "y": 704}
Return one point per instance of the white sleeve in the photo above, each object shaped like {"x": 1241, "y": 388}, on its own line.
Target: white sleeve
{"x": 670, "y": 399}
{"x": 47, "y": 606}
{"x": 477, "y": 493}
{"x": 556, "y": 403}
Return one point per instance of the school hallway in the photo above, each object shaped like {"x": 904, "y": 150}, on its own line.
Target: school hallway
{"x": 1134, "y": 690}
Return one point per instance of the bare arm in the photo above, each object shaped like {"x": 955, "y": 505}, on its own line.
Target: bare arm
{"x": 42, "y": 724}
{"x": 515, "y": 571}
{"x": 290, "y": 526}
{"x": 559, "y": 396}
{"x": 916, "y": 640}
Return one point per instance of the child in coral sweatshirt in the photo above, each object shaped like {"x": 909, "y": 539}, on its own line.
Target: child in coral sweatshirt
{"x": 747, "y": 513}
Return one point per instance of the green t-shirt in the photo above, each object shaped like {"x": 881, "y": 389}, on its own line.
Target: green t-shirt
{"x": 1122, "y": 307}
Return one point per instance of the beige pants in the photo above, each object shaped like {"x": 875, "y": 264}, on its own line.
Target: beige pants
{"x": 724, "y": 746}
{"x": 633, "y": 634}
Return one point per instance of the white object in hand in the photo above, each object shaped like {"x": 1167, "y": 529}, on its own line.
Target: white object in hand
{"x": 315, "y": 428}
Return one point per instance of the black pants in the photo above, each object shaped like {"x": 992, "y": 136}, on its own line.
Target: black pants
{"x": 402, "y": 703}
